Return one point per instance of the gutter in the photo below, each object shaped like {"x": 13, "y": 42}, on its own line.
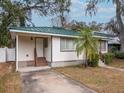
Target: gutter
{"x": 40, "y": 33}
{"x": 50, "y": 34}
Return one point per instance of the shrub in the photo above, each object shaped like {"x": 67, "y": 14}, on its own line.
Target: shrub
{"x": 108, "y": 58}
{"x": 93, "y": 62}
{"x": 119, "y": 55}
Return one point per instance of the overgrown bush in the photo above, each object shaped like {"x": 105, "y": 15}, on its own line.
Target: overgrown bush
{"x": 114, "y": 49}
{"x": 119, "y": 55}
{"x": 108, "y": 58}
{"x": 93, "y": 62}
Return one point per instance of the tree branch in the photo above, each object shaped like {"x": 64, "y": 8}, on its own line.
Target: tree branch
{"x": 118, "y": 14}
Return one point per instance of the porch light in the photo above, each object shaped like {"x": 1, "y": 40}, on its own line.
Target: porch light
{"x": 31, "y": 38}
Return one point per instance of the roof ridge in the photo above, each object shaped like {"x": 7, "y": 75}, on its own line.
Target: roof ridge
{"x": 32, "y": 27}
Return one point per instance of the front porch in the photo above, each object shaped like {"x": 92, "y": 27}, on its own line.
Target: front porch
{"x": 33, "y": 52}
{"x": 39, "y": 62}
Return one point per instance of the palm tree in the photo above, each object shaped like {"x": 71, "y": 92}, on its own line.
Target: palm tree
{"x": 87, "y": 43}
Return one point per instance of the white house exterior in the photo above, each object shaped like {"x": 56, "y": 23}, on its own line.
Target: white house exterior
{"x": 56, "y": 45}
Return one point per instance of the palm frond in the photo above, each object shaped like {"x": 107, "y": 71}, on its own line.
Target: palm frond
{"x": 86, "y": 42}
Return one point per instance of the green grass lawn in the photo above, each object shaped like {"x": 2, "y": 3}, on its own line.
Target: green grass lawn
{"x": 9, "y": 79}
{"x": 100, "y": 79}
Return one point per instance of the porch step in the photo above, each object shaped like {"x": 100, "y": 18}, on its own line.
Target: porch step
{"x": 41, "y": 61}
{"x": 101, "y": 63}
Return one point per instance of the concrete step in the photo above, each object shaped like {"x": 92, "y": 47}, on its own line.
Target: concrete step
{"x": 41, "y": 61}
{"x": 101, "y": 63}
{"x": 31, "y": 69}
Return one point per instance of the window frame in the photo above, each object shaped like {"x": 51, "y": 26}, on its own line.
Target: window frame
{"x": 103, "y": 48}
{"x": 66, "y": 50}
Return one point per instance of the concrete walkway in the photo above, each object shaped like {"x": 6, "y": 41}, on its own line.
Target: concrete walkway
{"x": 51, "y": 82}
{"x": 101, "y": 64}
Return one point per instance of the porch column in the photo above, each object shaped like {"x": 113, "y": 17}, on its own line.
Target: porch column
{"x": 17, "y": 53}
{"x": 100, "y": 47}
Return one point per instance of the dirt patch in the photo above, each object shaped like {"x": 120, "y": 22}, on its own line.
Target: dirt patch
{"x": 119, "y": 63}
{"x": 10, "y": 81}
{"x": 6, "y": 68}
{"x": 100, "y": 79}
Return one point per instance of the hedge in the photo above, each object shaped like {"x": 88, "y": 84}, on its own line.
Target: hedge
{"x": 119, "y": 55}
{"x": 108, "y": 58}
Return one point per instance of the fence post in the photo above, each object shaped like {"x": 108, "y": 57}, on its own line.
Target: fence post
{"x": 6, "y": 53}
{"x": 2, "y": 55}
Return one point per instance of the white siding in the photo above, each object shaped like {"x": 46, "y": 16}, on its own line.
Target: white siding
{"x": 62, "y": 56}
{"x": 25, "y": 48}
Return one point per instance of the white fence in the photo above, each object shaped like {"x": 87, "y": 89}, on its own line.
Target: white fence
{"x": 7, "y": 54}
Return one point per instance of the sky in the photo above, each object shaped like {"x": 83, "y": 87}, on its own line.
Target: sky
{"x": 77, "y": 12}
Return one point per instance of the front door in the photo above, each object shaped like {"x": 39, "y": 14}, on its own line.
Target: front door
{"x": 39, "y": 47}
{"x": 40, "y": 59}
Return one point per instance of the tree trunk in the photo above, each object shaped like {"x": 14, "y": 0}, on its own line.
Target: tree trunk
{"x": 121, "y": 37}
{"x": 86, "y": 60}
{"x": 62, "y": 19}
{"x": 120, "y": 24}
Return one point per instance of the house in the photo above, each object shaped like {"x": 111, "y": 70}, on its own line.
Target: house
{"x": 51, "y": 46}
{"x": 114, "y": 44}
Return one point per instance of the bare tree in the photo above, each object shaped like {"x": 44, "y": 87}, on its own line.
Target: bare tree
{"x": 116, "y": 23}
{"x": 20, "y": 11}
{"x": 62, "y": 15}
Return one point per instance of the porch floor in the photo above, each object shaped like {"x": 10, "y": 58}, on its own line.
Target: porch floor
{"x": 31, "y": 69}
{"x": 40, "y": 62}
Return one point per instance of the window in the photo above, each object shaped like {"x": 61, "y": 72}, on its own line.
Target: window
{"x": 45, "y": 42}
{"x": 103, "y": 46}
{"x": 67, "y": 44}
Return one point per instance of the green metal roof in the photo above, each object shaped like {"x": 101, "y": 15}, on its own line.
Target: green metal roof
{"x": 51, "y": 30}
{"x": 96, "y": 33}
{"x": 55, "y": 30}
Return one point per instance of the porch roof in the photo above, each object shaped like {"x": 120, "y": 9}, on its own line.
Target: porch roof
{"x": 54, "y": 31}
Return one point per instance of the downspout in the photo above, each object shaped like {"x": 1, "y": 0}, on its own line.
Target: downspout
{"x": 51, "y": 50}
{"x": 35, "y": 52}
{"x": 17, "y": 53}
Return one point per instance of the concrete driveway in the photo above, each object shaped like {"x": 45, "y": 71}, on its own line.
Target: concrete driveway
{"x": 51, "y": 82}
